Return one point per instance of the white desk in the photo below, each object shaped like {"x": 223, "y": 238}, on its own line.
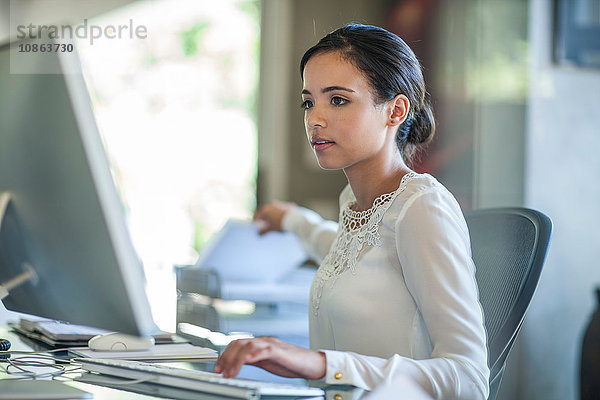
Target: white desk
{"x": 150, "y": 391}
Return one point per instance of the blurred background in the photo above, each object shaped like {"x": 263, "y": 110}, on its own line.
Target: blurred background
{"x": 202, "y": 123}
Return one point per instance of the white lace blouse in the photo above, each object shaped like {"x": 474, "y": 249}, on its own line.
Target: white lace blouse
{"x": 396, "y": 292}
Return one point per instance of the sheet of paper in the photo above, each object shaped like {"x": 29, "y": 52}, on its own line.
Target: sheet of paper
{"x": 239, "y": 253}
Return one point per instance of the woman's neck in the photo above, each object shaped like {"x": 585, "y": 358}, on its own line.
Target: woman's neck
{"x": 369, "y": 183}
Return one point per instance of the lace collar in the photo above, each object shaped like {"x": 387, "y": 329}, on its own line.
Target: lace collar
{"x": 356, "y": 228}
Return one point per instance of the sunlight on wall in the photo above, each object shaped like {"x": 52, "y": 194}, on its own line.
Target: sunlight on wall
{"x": 176, "y": 111}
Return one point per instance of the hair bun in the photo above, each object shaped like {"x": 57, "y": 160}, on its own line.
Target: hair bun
{"x": 422, "y": 127}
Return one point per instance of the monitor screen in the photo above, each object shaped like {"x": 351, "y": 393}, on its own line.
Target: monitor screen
{"x": 64, "y": 219}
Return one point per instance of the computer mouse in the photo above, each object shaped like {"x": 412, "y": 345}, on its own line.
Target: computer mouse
{"x": 120, "y": 342}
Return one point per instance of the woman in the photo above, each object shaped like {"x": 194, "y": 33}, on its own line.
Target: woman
{"x": 395, "y": 294}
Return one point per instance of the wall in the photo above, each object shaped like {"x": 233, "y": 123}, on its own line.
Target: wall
{"x": 562, "y": 179}
{"x": 479, "y": 91}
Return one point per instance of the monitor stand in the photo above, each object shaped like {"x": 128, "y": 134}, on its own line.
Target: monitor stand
{"x": 28, "y": 274}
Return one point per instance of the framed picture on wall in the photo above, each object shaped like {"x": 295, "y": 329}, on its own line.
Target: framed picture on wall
{"x": 577, "y": 33}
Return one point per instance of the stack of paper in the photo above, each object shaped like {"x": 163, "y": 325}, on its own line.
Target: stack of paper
{"x": 56, "y": 333}
{"x": 63, "y": 334}
{"x": 159, "y": 352}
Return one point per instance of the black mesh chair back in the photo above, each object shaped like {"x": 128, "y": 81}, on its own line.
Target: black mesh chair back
{"x": 509, "y": 246}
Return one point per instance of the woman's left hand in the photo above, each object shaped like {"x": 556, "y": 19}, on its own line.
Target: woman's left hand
{"x": 273, "y": 355}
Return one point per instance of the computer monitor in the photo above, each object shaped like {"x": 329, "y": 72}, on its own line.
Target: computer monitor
{"x": 61, "y": 214}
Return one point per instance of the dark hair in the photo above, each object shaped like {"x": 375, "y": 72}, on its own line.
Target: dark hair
{"x": 391, "y": 68}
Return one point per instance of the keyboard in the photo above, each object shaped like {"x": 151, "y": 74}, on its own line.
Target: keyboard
{"x": 200, "y": 381}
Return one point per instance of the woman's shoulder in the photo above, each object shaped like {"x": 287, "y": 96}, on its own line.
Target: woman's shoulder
{"x": 415, "y": 184}
{"x": 411, "y": 183}
{"x": 423, "y": 189}
{"x": 412, "y": 186}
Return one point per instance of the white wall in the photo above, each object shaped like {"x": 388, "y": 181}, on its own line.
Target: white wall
{"x": 563, "y": 180}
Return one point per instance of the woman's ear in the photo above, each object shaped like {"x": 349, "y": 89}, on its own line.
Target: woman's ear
{"x": 398, "y": 110}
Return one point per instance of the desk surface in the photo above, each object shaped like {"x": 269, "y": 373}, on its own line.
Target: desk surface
{"x": 151, "y": 391}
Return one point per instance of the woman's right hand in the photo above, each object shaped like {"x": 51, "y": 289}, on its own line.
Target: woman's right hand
{"x": 272, "y": 355}
{"x": 270, "y": 216}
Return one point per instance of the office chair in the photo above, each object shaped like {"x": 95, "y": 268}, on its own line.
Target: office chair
{"x": 509, "y": 246}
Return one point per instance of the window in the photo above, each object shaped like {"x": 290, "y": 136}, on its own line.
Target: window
{"x": 176, "y": 111}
